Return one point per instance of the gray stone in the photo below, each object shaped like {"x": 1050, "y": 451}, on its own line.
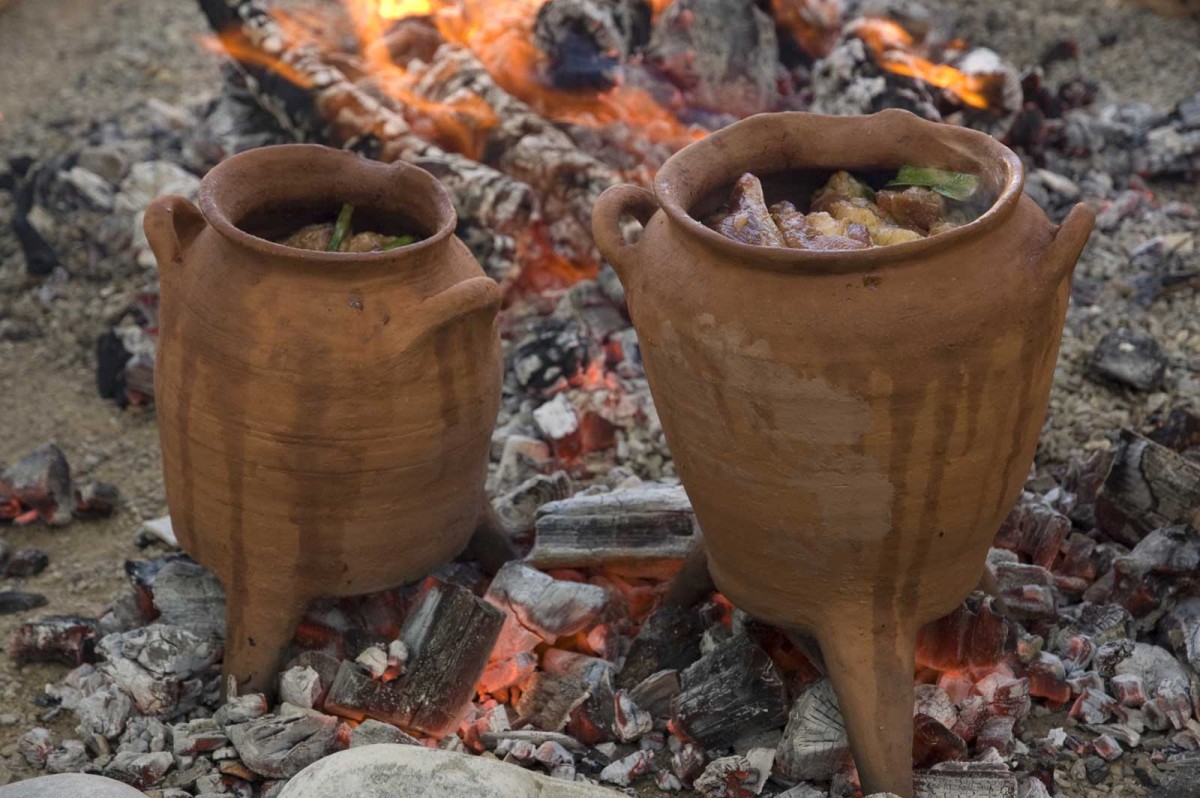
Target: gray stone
{"x": 107, "y": 162}
{"x": 383, "y": 771}
{"x": 1131, "y": 358}
{"x": 69, "y": 784}
{"x": 91, "y": 186}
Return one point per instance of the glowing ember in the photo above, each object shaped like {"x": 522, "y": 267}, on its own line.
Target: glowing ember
{"x": 398, "y": 9}
{"x": 895, "y": 51}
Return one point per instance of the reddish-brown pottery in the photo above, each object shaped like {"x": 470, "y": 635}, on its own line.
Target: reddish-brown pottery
{"x": 324, "y": 417}
{"x": 851, "y": 427}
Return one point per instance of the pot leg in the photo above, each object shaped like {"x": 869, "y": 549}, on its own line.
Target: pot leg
{"x": 872, "y": 673}
{"x": 260, "y": 624}
{"x": 490, "y": 544}
{"x": 693, "y": 581}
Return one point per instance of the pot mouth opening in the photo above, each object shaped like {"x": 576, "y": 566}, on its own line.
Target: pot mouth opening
{"x": 257, "y": 196}
{"x": 795, "y": 148}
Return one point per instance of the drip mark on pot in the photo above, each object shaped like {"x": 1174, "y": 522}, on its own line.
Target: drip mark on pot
{"x": 443, "y": 353}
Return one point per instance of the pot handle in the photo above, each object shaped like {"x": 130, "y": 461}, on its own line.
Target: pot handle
{"x": 172, "y": 224}
{"x": 1069, "y": 239}
{"x": 614, "y": 203}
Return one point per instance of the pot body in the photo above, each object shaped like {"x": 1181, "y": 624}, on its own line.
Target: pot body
{"x": 324, "y": 418}
{"x": 851, "y": 428}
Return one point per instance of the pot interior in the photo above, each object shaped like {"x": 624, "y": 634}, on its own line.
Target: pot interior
{"x": 276, "y": 223}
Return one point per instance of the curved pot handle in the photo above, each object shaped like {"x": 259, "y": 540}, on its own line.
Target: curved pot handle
{"x": 1064, "y": 250}
{"x": 614, "y": 203}
{"x": 172, "y": 224}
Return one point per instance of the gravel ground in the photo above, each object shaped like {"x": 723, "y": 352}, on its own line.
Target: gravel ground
{"x": 66, "y": 63}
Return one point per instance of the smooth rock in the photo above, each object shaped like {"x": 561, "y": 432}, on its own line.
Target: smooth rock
{"x": 1131, "y": 358}
{"x": 72, "y": 784}
{"x": 384, "y": 771}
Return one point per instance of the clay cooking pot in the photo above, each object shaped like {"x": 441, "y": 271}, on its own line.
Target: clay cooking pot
{"x": 852, "y": 427}
{"x": 325, "y": 417}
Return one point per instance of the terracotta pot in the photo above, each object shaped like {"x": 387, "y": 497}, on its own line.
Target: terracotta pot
{"x": 325, "y": 418}
{"x": 852, "y": 427}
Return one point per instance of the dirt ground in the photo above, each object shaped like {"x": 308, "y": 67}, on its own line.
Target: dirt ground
{"x": 63, "y": 61}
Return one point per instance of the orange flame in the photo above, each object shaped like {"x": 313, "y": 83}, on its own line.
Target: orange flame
{"x": 893, "y": 48}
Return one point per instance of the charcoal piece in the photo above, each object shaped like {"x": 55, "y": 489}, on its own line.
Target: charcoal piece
{"x": 1035, "y": 530}
{"x": 931, "y": 700}
{"x": 548, "y": 607}
{"x": 585, "y": 41}
{"x": 35, "y": 746}
{"x": 592, "y": 720}
{"x": 668, "y": 640}
{"x": 643, "y": 524}
{"x": 144, "y": 735}
{"x": 654, "y": 694}
{"x": 1162, "y": 564}
{"x": 933, "y": 743}
{"x": 1047, "y": 678}
{"x": 624, "y": 771}
{"x": 241, "y": 709}
{"x": 727, "y": 777}
{"x": 732, "y": 692}
{"x": 161, "y": 667}
{"x": 189, "y": 596}
{"x": 69, "y": 757}
{"x": 722, "y": 54}
{"x": 1099, "y": 623}
{"x": 814, "y": 739}
{"x": 1025, "y": 592}
{"x": 373, "y": 732}
{"x": 966, "y": 780}
{"x": 26, "y": 562}
{"x": 449, "y": 635}
{"x": 1130, "y": 358}
{"x": 199, "y": 736}
{"x": 41, "y": 480}
{"x": 518, "y": 508}
{"x": 12, "y": 601}
{"x": 300, "y": 687}
{"x": 547, "y": 700}
{"x": 630, "y": 721}
{"x": 974, "y": 635}
{"x": 997, "y": 732}
{"x": 142, "y": 771}
{"x": 1148, "y": 486}
{"x": 96, "y": 499}
{"x": 279, "y": 748}
{"x": 1180, "y": 432}
{"x": 546, "y": 358}
{"x": 533, "y": 737}
{"x": 70, "y": 640}
{"x": 40, "y": 258}
{"x": 1181, "y": 628}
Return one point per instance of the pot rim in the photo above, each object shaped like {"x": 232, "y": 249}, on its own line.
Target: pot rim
{"x": 396, "y": 176}
{"x": 890, "y": 125}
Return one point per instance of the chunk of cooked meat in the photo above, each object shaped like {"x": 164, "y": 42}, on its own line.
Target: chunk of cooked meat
{"x": 747, "y": 218}
{"x": 311, "y": 236}
{"x": 365, "y": 242}
{"x": 915, "y": 208}
{"x": 841, "y": 187}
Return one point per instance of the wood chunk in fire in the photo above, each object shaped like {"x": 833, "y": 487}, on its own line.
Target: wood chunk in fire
{"x": 646, "y": 523}
{"x": 1023, "y": 591}
{"x": 550, "y": 608}
{"x": 69, "y": 639}
{"x": 1034, "y": 529}
{"x": 449, "y": 636}
{"x": 1149, "y": 486}
{"x": 41, "y": 482}
{"x": 518, "y": 508}
{"x": 814, "y": 739}
{"x": 668, "y": 640}
{"x": 591, "y": 719}
{"x": 933, "y": 743}
{"x": 1162, "y": 564}
{"x": 732, "y": 692}
{"x": 278, "y": 747}
{"x": 654, "y": 694}
{"x": 728, "y": 777}
{"x": 974, "y": 635}
{"x": 548, "y": 699}
{"x": 965, "y": 780}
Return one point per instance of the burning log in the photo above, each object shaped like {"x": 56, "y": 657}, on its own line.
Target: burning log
{"x": 308, "y": 95}
{"x": 449, "y": 636}
{"x": 732, "y": 692}
{"x": 646, "y": 523}
{"x": 69, "y": 639}
{"x": 1148, "y": 486}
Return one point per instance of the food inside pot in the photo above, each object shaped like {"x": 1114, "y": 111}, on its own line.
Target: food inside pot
{"x": 847, "y": 214}
{"x": 340, "y": 236}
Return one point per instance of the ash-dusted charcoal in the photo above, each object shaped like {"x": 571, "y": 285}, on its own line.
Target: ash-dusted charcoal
{"x": 1162, "y": 564}
{"x": 630, "y": 721}
{"x": 142, "y": 771}
{"x": 96, "y": 499}
{"x": 533, "y": 737}
{"x": 279, "y": 748}
{"x": 160, "y": 666}
{"x": 69, "y": 639}
{"x": 1024, "y": 591}
{"x": 729, "y": 693}
{"x": 374, "y": 732}
{"x": 931, "y": 700}
{"x": 1035, "y": 530}
{"x": 728, "y": 777}
{"x": 544, "y": 361}
{"x": 668, "y": 640}
{"x": 654, "y": 694}
{"x": 1180, "y": 431}
{"x": 449, "y": 636}
{"x": 1148, "y": 486}
{"x": 41, "y": 482}
{"x": 1130, "y": 358}
{"x": 626, "y": 770}
{"x": 1047, "y": 678}
{"x": 934, "y": 743}
{"x": 241, "y": 708}
{"x": 103, "y": 715}
{"x": 814, "y": 739}
{"x": 35, "y": 746}
{"x": 974, "y": 635}
{"x": 199, "y": 736}
{"x": 646, "y": 523}
{"x": 1181, "y": 627}
{"x": 518, "y": 508}
{"x": 189, "y": 596}
{"x": 69, "y": 757}
{"x": 592, "y": 716}
{"x": 13, "y": 601}
{"x": 301, "y": 687}
{"x": 965, "y": 780}
{"x": 548, "y": 699}
{"x": 550, "y": 608}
